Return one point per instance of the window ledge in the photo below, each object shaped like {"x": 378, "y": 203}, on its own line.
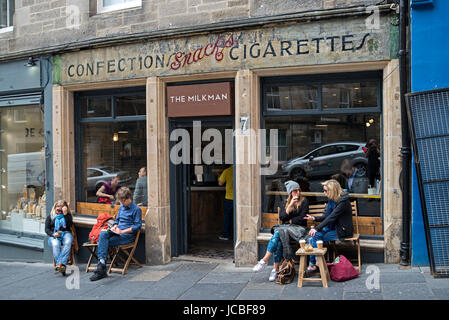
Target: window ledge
{"x": 14, "y": 240}
{"x": 7, "y": 29}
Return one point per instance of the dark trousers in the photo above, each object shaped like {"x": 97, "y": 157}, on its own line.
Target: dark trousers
{"x": 228, "y": 217}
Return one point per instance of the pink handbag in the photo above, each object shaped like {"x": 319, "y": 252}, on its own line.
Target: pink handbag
{"x": 342, "y": 269}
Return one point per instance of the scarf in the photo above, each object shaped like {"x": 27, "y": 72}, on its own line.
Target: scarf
{"x": 60, "y": 222}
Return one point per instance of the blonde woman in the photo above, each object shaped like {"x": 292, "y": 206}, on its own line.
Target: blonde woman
{"x": 336, "y": 222}
{"x": 294, "y": 227}
{"x": 57, "y": 227}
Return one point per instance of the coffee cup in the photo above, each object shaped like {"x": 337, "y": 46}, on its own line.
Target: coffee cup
{"x": 302, "y": 243}
{"x": 319, "y": 244}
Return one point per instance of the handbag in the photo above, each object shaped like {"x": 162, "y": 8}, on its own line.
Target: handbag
{"x": 341, "y": 269}
{"x": 286, "y": 272}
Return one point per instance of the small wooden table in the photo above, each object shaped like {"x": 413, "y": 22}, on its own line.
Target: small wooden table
{"x": 321, "y": 262}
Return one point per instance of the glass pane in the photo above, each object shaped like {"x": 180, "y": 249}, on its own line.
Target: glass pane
{"x": 92, "y": 107}
{"x": 350, "y": 95}
{"x": 111, "y": 149}
{"x": 318, "y": 148}
{"x": 23, "y": 199}
{"x": 292, "y": 97}
{"x": 130, "y": 106}
{"x": 3, "y": 14}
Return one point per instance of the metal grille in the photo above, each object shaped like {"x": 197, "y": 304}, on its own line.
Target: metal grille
{"x": 428, "y": 114}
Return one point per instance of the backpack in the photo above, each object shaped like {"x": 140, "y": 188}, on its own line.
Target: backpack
{"x": 286, "y": 272}
{"x": 102, "y": 224}
{"x": 342, "y": 269}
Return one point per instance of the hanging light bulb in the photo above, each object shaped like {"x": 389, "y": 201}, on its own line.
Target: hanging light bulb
{"x": 115, "y": 137}
{"x": 368, "y": 124}
{"x": 371, "y": 120}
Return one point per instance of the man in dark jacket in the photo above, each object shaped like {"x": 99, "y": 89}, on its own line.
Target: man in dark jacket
{"x": 336, "y": 222}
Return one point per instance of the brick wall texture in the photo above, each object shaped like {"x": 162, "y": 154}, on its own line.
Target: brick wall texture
{"x": 49, "y": 23}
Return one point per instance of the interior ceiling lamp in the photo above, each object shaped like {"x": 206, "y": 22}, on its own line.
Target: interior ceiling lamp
{"x": 31, "y": 62}
{"x": 115, "y": 137}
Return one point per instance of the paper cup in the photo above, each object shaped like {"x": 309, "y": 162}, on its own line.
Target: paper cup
{"x": 319, "y": 244}
{"x": 302, "y": 243}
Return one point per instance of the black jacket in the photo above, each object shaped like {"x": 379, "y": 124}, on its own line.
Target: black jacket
{"x": 50, "y": 224}
{"x": 341, "y": 217}
{"x": 297, "y": 215}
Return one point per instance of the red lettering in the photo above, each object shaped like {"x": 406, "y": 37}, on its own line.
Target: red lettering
{"x": 177, "y": 63}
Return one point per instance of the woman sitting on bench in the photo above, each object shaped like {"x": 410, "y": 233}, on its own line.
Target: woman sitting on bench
{"x": 336, "y": 222}
{"x": 293, "y": 227}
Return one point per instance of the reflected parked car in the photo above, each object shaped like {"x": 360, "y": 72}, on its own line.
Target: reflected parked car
{"x": 97, "y": 176}
{"x": 327, "y": 160}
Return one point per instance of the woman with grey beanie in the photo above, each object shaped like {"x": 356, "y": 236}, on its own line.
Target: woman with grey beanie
{"x": 293, "y": 227}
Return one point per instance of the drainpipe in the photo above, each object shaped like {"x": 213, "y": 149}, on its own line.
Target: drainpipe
{"x": 405, "y": 149}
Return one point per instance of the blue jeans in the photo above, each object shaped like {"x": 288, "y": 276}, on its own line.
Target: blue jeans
{"x": 325, "y": 236}
{"x": 61, "y": 255}
{"x": 228, "y": 212}
{"x": 275, "y": 247}
{"x": 110, "y": 239}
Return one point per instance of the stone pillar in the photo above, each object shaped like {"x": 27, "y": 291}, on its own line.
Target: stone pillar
{"x": 247, "y": 189}
{"x": 157, "y": 220}
{"x": 63, "y": 146}
{"x": 392, "y": 166}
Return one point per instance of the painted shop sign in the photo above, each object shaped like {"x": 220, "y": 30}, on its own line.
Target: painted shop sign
{"x": 211, "y": 99}
{"x": 299, "y": 44}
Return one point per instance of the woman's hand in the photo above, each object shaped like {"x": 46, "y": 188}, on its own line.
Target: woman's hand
{"x": 309, "y": 217}
{"x": 65, "y": 210}
{"x": 56, "y": 235}
{"x": 312, "y": 232}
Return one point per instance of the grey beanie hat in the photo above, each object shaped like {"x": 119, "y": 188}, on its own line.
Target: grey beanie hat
{"x": 291, "y": 185}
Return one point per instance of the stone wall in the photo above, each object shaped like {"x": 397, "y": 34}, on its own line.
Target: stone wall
{"x": 43, "y": 24}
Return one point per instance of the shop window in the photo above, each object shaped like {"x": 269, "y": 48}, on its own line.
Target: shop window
{"x": 22, "y": 176}
{"x": 114, "y": 5}
{"x": 6, "y": 15}
{"x": 110, "y": 146}
{"x": 331, "y": 137}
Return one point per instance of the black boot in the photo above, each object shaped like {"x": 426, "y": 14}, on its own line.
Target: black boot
{"x": 99, "y": 273}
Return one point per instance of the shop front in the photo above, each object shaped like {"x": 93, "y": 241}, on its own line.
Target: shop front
{"x": 303, "y": 101}
{"x": 25, "y": 160}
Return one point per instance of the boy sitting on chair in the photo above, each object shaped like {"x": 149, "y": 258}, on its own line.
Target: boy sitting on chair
{"x": 126, "y": 225}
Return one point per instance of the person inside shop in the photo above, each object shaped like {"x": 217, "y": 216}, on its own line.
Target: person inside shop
{"x": 373, "y": 154}
{"x": 106, "y": 193}
{"x": 356, "y": 181}
{"x": 58, "y": 227}
{"x": 123, "y": 231}
{"x": 335, "y": 223}
{"x": 227, "y": 178}
{"x": 141, "y": 191}
{"x": 292, "y": 215}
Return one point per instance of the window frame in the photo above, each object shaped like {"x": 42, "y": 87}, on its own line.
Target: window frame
{"x": 117, "y": 7}
{"x": 320, "y": 80}
{"x": 9, "y": 17}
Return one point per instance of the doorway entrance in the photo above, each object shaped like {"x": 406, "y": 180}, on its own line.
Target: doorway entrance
{"x": 200, "y": 149}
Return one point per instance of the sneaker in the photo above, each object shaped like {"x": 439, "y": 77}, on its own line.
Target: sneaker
{"x": 223, "y": 238}
{"x": 259, "y": 266}
{"x": 273, "y": 275}
{"x": 99, "y": 273}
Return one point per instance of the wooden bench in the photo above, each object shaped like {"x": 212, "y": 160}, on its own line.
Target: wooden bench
{"x": 271, "y": 219}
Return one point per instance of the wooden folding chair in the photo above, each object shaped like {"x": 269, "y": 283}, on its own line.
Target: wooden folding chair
{"x": 124, "y": 248}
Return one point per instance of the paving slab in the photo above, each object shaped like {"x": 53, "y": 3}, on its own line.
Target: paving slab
{"x": 407, "y": 291}
{"x": 260, "y": 294}
{"x": 226, "y": 277}
{"x": 209, "y": 291}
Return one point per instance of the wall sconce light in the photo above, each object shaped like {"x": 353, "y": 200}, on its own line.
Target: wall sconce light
{"x": 31, "y": 62}
{"x": 115, "y": 137}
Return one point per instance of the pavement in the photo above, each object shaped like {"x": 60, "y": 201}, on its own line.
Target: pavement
{"x": 212, "y": 280}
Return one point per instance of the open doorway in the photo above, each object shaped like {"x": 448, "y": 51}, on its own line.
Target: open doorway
{"x": 197, "y": 199}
